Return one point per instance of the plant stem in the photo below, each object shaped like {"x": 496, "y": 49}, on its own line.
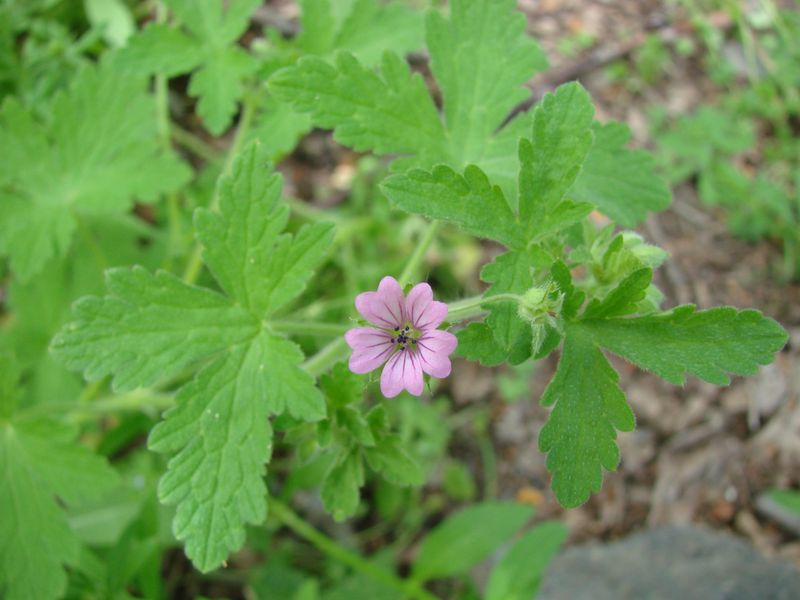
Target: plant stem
{"x": 419, "y": 253}
{"x": 138, "y": 400}
{"x": 326, "y": 358}
{"x": 473, "y": 307}
{"x": 194, "y": 144}
{"x": 163, "y": 127}
{"x": 308, "y": 327}
{"x": 195, "y": 263}
{"x": 329, "y": 546}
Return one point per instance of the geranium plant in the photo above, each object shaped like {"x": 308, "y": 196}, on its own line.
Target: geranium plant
{"x": 250, "y": 331}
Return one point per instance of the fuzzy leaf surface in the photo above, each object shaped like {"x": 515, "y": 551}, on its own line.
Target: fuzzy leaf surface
{"x": 150, "y": 325}
{"x": 579, "y": 436}
{"x": 221, "y": 439}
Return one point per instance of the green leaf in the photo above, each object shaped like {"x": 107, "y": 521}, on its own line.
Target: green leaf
{"x": 59, "y": 173}
{"x": 477, "y": 342}
{"x": 316, "y": 27}
{"x": 148, "y": 328}
{"x": 41, "y": 469}
{"x": 518, "y": 574}
{"x": 206, "y": 43}
{"x": 580, "y": 433}
{"x": 389, "y": 458}
{"x": 218, "y": 85}
{"x": 113, "y": 18}
{"x": 221, "y": 439}
{"x": 467, "y": 537}
{"x": 622, "y": 183}
{"x": 389, "y": 114}
{"x": 708, "y": 343}
{"x": 340, "y": 490}
{"x": 481, "y": 59}
{"x": 151, "y": 326}
{"x": 160, "y": 49}
{"x": 341, "y": 386}
{"x": 470, "y": 201}
{"x": 279, "y": 128}
{"x": 373, "y": 28}
{"x": 551, "y": 160}
{"x": 623, "y": 299}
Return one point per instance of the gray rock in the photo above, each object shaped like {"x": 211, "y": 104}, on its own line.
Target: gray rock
{"x": 670, "y": 563}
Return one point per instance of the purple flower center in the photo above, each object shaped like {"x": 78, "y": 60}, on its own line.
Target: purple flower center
{"x": 403, "y": 336}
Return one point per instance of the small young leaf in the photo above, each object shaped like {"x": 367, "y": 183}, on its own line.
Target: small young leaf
{"x": 467, "y": 537}
{"x": 341, "y": 488}
{"x": 623, "y": 299}
{"x": 509, "y": 273}
{"x": 551, "y": 160}
{"x": 390, "y": 459}
{"x": 341, "y": 386}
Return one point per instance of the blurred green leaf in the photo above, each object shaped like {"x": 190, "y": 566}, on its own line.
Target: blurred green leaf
{"x": 467, "y": 537}
{"x": 519, "y": 572}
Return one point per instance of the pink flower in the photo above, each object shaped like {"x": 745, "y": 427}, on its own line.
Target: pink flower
{"x": 404, "y": 337}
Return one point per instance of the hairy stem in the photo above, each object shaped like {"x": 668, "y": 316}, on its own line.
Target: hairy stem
{"x": 419, "y": 253}
{"x": 287, "y": 517}
{"x": 474, "y": 307}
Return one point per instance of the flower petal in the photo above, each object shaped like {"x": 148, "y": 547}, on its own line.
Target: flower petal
{"x": 420, "y": 296}
{"x": 435, "y": 348}
{"x": 371, "y": 347}
{"x": 386, "y": 307}
{"x": 431, "y": 316}
{"x": 404, "y": 370}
